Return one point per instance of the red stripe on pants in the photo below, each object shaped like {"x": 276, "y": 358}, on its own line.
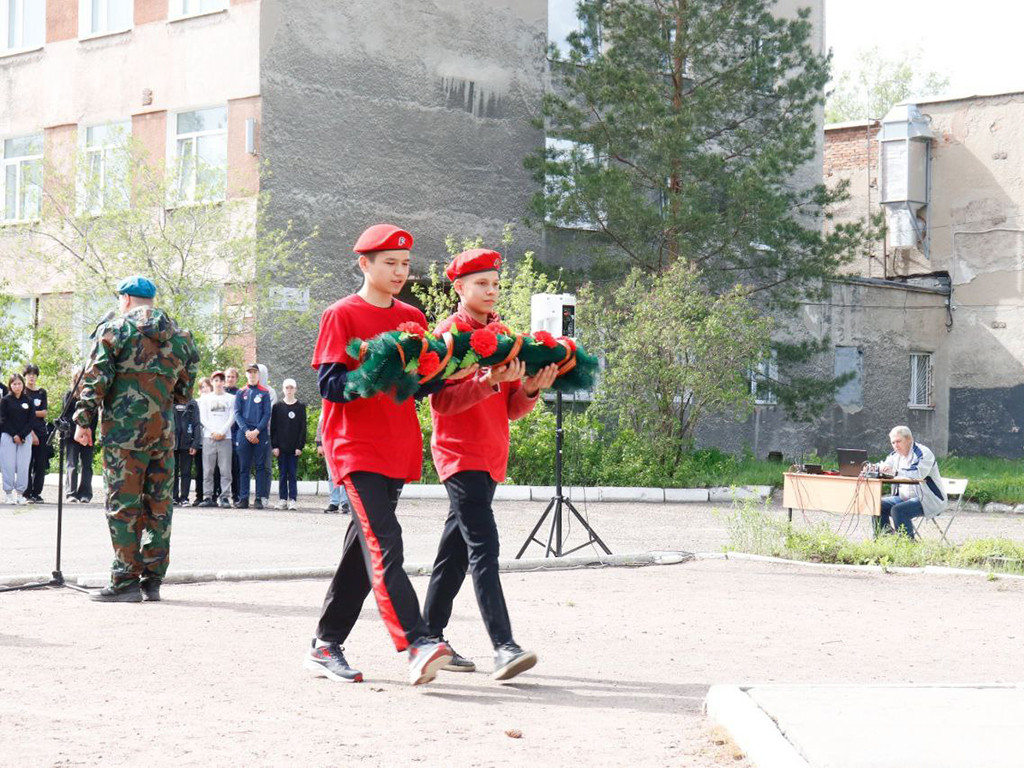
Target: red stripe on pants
{"x": 380, "y": 590}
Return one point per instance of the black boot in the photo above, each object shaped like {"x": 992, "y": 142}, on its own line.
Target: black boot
{"x": 151, "y": 590}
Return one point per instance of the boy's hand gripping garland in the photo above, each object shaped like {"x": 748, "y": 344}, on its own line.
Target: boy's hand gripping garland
{"x": 399, "y": 362}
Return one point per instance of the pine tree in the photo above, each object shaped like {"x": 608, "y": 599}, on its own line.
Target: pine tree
{"x": 683, "y": 130}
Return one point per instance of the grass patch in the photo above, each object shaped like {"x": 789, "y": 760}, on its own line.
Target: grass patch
{"x": 754, "y": 529}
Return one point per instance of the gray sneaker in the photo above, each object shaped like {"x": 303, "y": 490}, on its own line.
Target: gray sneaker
{"x": 426, "y": 657}
{"x": 458, "y": 663}
{"x": 510, "y": 660}
{"x": 132, "y": 594}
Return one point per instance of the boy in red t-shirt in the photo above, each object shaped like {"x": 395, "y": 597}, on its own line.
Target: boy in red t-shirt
{"x": 470, "y": 450}
{"x": 373, "y": 446}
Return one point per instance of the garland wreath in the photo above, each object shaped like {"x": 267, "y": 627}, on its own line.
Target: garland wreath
{"x": 400, "y": 361}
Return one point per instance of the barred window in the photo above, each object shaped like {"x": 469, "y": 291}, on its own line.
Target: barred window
{"x": 921, "y": 395}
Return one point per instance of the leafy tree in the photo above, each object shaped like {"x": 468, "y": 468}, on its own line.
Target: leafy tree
{"x": 683, "y": 124}
{"x": 674, "y": 352}
{"x": 877, "y": 83}
{"x": 218, "y": 264}
{"x": 14, "y": 337}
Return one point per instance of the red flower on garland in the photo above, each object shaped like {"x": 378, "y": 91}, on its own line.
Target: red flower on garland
{"x": 461, "y": 327}
{"x": 545, "y": 338}
{"x": 412, "y": 327}
{"x": 484, "y": 342}
{"x": 499, "y": 327}
{"x": 429, "y": 363}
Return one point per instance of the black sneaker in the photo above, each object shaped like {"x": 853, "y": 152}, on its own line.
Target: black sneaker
{"x": 458, "y": 663}
{"x": 330, "y": 508}
{"x": 195, "y": 503}
{"x": 510, "y": 660}
{"x": 426, "y": 657}
{"x": 132, "y": 594}
{"x": 70, "y": 498}
{"x": 151, "y": 590}
{"x": 345, "y": 508}
{"x": 329, "y": 661}
{"x": 207, "y": 503}
{"x": 258, "y": 504}
{"x": 242, "y": 504}
{"x": 225, "y": 504}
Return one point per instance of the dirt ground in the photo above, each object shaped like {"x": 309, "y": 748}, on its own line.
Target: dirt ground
{"x": 213, "y": 676}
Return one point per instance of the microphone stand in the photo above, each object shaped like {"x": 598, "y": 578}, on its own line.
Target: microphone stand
{"x": 62, "y": 427}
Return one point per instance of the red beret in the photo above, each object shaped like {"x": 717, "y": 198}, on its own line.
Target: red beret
{"x": 383, "y": 237}
{"x": 474, "y": 260}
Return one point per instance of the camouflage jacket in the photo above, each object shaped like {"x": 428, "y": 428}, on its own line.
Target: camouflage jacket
{"x": 140, "y": 366}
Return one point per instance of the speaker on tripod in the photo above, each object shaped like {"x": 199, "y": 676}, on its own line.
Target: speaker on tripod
{"x": 556, "y": 314}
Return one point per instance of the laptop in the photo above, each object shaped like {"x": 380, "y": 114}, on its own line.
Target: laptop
{"x": 851, "y": 460}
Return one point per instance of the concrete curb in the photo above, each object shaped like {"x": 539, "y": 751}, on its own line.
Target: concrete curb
{"x": 632, "y": 560}
{"x": 929, "y": 570}
{"x": 751, "y": 728}
{"x": 590, "y": 494}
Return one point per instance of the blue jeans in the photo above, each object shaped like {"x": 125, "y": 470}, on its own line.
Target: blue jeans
{"x": 252, "y": 457}
{"x": 287, "y": 481}
{"x": 337, "y": 491}
{"x": 902, "y": 512}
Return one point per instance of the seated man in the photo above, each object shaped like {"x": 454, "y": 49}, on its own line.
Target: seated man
{"x": 916, "y": 461}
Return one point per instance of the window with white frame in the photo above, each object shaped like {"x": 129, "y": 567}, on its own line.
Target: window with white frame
{"x": 22, "y": 25}
{"x": 104, "y": 181}
{"x": 181, "y": 8}
{"x": 22, "y": 178}
{"x": 762, "y": 380}
{"x": 102, "y": 17}
{"x": 921, "y": 395}
{"x": 200, "y": 149}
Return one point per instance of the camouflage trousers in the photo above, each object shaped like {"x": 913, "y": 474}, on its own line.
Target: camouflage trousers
{"x": 139, "y": 487}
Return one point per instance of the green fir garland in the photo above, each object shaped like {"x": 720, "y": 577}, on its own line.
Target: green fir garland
{"x": 399, "y": 362}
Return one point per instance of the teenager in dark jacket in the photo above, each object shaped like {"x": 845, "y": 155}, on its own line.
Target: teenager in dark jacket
{"x": 188, "y": 438}
{"x": 252, "y": 417}
{"x": 41, "y": 452}
{"x": 78, "y": 463}
{"x": 287, "y": 439}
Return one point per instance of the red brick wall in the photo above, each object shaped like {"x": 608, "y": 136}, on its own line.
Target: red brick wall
{"x": 61, "y": 20}
{"x": 243, "y": 168}
{"x": 849, "y": 149}
{"x": 150, "y": 130}
{"x": 147, "y": 11}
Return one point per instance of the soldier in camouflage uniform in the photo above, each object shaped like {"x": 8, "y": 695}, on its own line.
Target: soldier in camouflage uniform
{"x": 141, "y": 365}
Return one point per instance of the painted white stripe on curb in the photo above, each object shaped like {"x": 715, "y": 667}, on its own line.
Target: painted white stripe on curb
{"x": 633, "y": 560}
{"x": 751, "y": 728}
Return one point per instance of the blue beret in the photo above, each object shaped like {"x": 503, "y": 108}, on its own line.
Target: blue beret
{"x": 137, "y": 285}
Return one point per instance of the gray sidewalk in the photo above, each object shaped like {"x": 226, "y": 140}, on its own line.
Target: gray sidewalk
{"x": 227, "y": 539}
{"x": 882, "y": 726}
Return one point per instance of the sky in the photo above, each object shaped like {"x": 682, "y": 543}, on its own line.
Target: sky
{"x": 978, "y": 45}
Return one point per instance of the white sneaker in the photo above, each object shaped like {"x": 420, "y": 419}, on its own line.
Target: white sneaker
{"x": 292, "y": 505}
{"x": 9, "y": 498}
{"x": 19, "y": 499}
{"x": 281, "y": 504}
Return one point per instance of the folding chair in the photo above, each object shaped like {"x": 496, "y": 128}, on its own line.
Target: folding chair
{"x": 954, "y": 487}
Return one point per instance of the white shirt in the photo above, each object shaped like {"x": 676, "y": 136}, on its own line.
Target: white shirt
{"x": 217, "y": 414}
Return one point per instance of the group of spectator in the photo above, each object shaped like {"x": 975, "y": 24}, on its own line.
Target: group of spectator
{"x": 222, "y": 437}
{"x": 24, "y": 452}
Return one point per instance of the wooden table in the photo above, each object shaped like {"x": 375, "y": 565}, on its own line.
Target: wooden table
{"x": 835, "y": 493}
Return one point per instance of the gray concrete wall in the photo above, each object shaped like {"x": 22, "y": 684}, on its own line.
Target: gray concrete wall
{"x": 977, "y": 194}
{"x": 415, "y": 112}
{"x": 886, "y": 325}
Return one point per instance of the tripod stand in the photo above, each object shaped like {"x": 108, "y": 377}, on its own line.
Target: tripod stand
{"x": 558, "y": 501}
{"x": 62, "y": 428}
